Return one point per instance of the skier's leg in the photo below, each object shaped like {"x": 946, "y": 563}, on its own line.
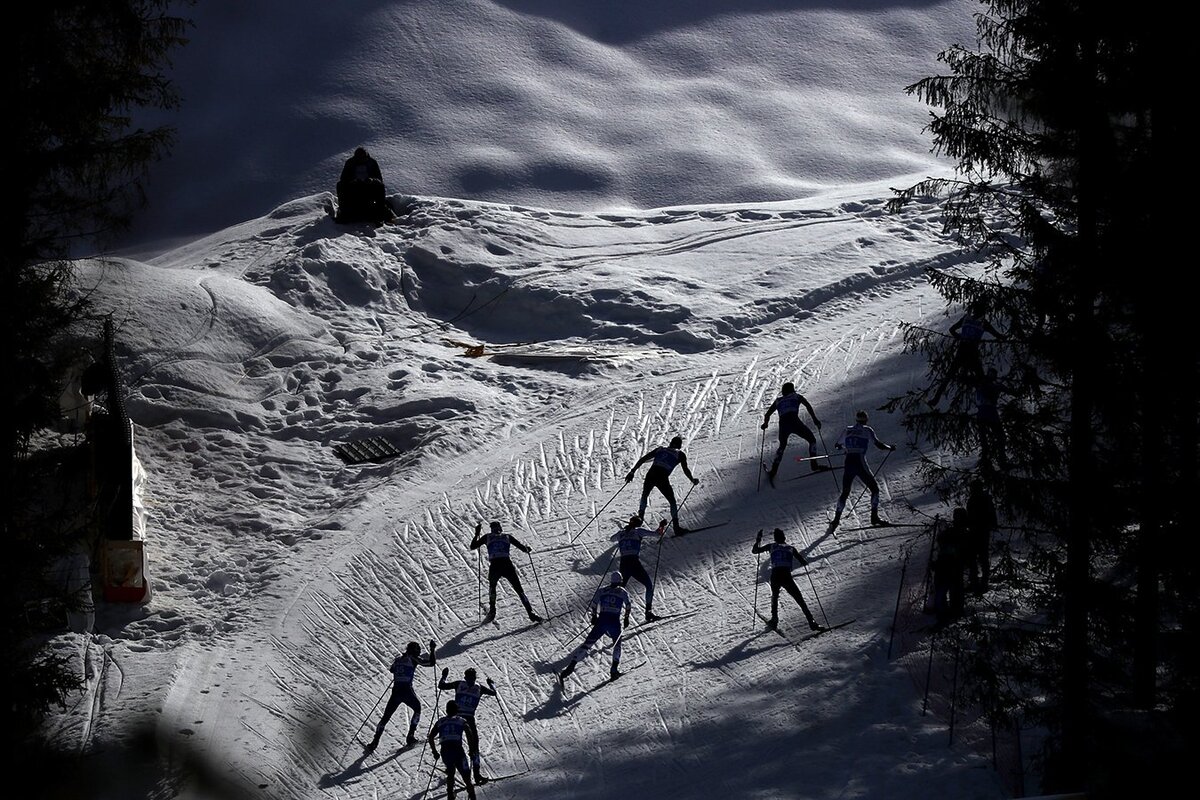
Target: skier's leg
{"x": 669, "y": 493}
{"x": 775, "y": 586}
{"x": 392, "y": 703}
{"x": 647, "y": 485}
{"x": 494, "y": 574}
{"x": 411, "y": 700}
{"x": 638, "y": 571}
{"x": 794, "y": 591}
{"x": 784, "y": 433}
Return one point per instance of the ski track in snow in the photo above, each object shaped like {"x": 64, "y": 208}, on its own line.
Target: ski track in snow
{"x": 375, "y": 555}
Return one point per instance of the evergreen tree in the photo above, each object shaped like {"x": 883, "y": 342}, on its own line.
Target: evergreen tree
{"x": 1051, "y": 125}
{"x": 77, "y": 71}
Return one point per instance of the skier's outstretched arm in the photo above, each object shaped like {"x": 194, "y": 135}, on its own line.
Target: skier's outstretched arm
{"x": 684, "y": 465}
{"x": 807, "y": 405}
{"x": 640, "y": 461}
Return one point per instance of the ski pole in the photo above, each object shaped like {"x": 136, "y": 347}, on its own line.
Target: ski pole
{"x": 504, "y": 712}
{"x": 762, "y": 449}
{"x": 598, "y": 513}
{"x": 576, "y": 636}
{"x": 478, "y": 569}
{"x": 538, "y": 581}
{"x": 757, "y": 573}
{"x": 604, "y": 574}
{"x": 658, "y": 552}
{"x": 370, "y": 714}
{"x": 825, "y": 447}
{"x": 432, "y": 772}
{"x": 816, "y": 597}
{"x": 437, "y": 698}
{"x": 679, "y": 506}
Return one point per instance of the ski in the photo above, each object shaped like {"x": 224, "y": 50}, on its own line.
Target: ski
{"x": 404, "y": 748}
{"x": 460, "y": 791}
{"x": 641, "y": 627}
{"x": 665, "y": 617}
{"x": 701, "y": 528}
{"x": 610, "y": 679}
{"x": 885, "y": 525}
{"x": 818, "y": 471}
{"x": 811, "y": 634}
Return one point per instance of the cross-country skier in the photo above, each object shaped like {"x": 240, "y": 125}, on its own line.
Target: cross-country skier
{"x": 966, "y": 364}
{"x": 467, "y": 694}
{"x": 449, "y": 732}
{"x": 629, "y": 543}
{"x": 403, "y": 668}
{"x": 948, "y": 568}
{"x": 788, "y": 405}
{"x": 606, "y": 608}
{"x": 856, "y": 440}
{"x": 501, "y": 566}
{"x": 981, "y": 523}
{"x": 659, "y": 477}
{"x": 783, "y": 556}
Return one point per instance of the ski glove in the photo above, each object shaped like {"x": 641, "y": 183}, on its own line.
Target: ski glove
{"x": 445, "y": 672}
{"x": 695, "y": 481}
{"x": 629, "y": 477}
{"x": 764, "y": 426}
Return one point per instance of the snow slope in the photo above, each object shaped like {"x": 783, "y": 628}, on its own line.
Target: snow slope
{"x": 285, "y": 581}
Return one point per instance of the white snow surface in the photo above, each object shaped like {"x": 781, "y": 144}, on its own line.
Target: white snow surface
{"x": 720, "y": 229}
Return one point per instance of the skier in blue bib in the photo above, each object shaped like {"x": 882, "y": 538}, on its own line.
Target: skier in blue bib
{"x": 783, "y": 557}
{"x": 788, "y": 405}
{"x": 629, "y": 544}
{"x": 449, "y": 731}
{"x": 403, "y": 668}
{"x": 658, "y": 476}
{"x": 501, "y": 566}
{"x": 856, "y": 440}
{"x": 467, "y": 694}
{"x": 606, "y": 606}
